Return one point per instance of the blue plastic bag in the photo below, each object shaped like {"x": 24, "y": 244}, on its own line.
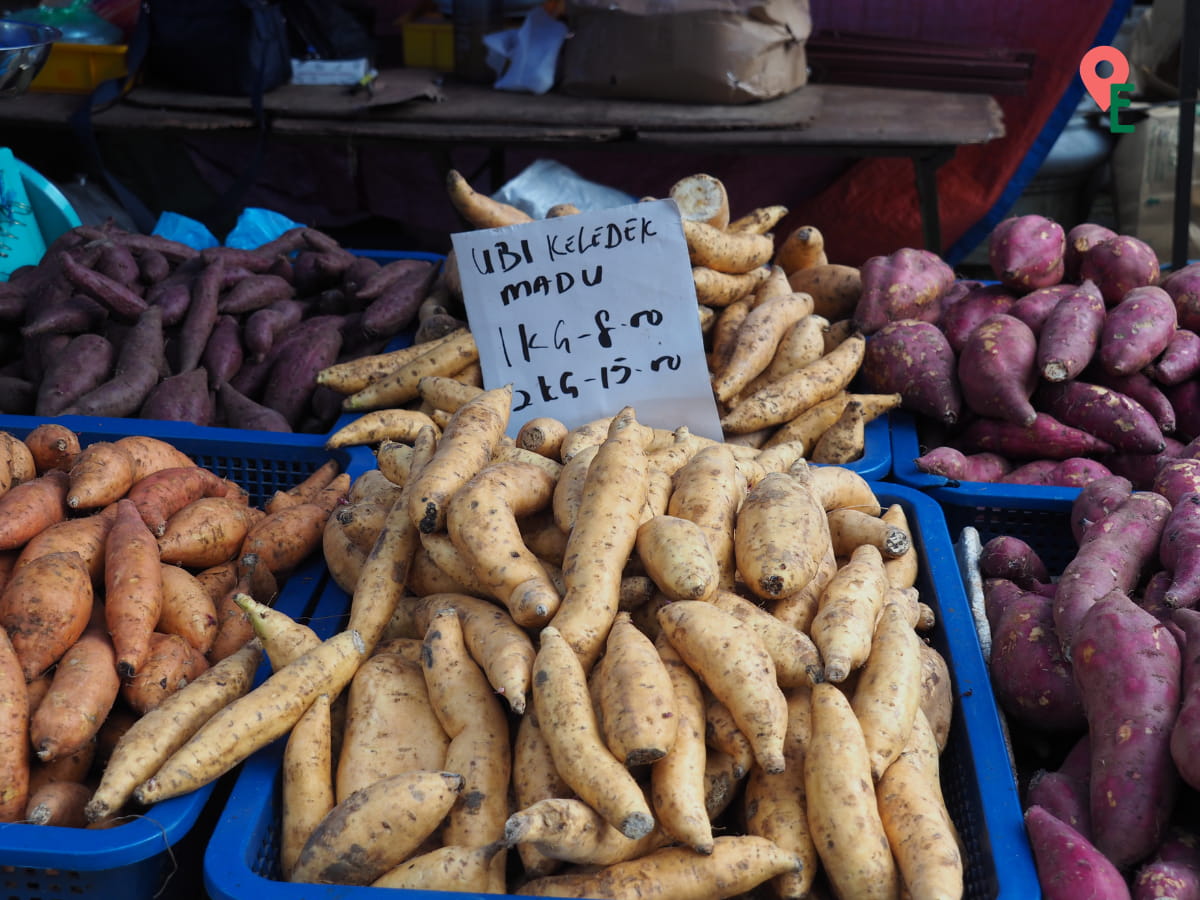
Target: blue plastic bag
{"x": 256, "y": 227}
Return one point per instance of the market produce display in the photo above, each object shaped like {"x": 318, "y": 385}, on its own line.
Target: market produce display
{"x": 1080, "y": 361}
{"x": 115, "y": 323}
{"x": 655, "y": 621}
{"x": 121, "y": 563}
{"x": 782, "y": 352}
{"x": 1094, "y": 666}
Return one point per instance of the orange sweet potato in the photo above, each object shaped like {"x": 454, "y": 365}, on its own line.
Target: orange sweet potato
{"x": 45, "y": 607}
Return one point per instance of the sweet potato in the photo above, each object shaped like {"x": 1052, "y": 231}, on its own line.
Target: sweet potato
{"x": 1176, "y": 477}
{"x": 1032, "y": 681}
{"x": 1179, "y": 550}
{"x": 15, "y": 750}
{"x": 1095, "y": 501}
{"x": 1113, "y": 417}
{"x": 1026, "y": 252}
{"x": 958, "y": 319}
{"x": 1180, "y": 359}
{"x": 1183, "y": 732}
{"x": 1080, "y": 239}
{"x": 1184, "y": 287}
{"x": 915, "y": 360}
{"x": 53, "y": 445}
{"x": 118, "y": 298}
{"x": 139, "y": 361}
{"x": 1173, "y": 871}
{"x": 1136, "y": 330}
{"x": 1140, "y": 387}
{"x": 997, "y": 370}
{"x": 1129, "y": 670}
{"x": 236, "y": 410}
{"x": 207, "y": 532}
{"x": 84, "y": 364}
{"x": 905, "y": 284}
{"x": 1035, "y": 307}
{"x": 45, "y": 606}
{"x": 1118, "y": 265}
{"x": 1070, "y": 335}
{"x": 1069, "y": 866}
{"x": 1063, "y": 792}
{"x": 1111, "y": 557}
{"x": 30, "y": 508}
{"x": 395, "y": 307}
{"x": 161, "y": 494}
{"x": 264, "y": 326}
{"x": 132, "y": 587}
{"x": 1037, "y": 471}
{"x": 181, "y": 398}
{"x": 314, "y": 345}
{"x": 1044, "y": 438}
{"x": 950, "y": 462}
{"x": 835, "y": 288}
{"x": 170, "y": 664}
{"x": 726, "y": 251}
{"x": 1011, "y": 557}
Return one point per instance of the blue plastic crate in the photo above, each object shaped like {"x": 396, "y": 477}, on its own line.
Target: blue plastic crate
{"x": 906, "y": 447}
{"x": 241, "y": 860}
{"x": 134, "y": 859}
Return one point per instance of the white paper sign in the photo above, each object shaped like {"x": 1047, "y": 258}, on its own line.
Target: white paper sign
{"x": 588, "y": 313}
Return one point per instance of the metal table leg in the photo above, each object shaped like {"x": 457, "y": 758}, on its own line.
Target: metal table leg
{"x": 926, "y": 167}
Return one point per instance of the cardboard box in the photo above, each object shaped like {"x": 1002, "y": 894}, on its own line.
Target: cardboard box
{"x": 1143, "y": 166}
{"x": 689, "y": 51}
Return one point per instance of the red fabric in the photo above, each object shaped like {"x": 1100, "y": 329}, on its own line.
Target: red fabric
{"x": 872, "y": 208}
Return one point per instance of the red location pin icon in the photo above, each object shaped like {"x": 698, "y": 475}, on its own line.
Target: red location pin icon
{"x": 1099, "y": 86}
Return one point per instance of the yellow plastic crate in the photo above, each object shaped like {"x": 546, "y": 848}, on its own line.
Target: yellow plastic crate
{"x": 78, "y": 68}
{"x": 428, "y": 43}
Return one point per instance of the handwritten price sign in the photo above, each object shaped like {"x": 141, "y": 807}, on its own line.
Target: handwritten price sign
{"x": 588, "y": 313}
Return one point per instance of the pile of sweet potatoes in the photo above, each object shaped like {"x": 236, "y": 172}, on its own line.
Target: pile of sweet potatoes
{"x": 115, "y": 323}
{"x": 122, "y": 563}
{"x": 1096, "y": 669}
{"x": 1080, "y": 360}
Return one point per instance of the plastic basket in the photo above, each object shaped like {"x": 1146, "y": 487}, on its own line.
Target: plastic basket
{"x": 241, "y": 860}
{"x": 135, "y": 859}
{"x": 78, "y": 68}
{"x": 906, "y": 447}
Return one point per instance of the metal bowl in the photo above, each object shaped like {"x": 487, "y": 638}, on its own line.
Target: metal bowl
{"x": 24, "y": 47}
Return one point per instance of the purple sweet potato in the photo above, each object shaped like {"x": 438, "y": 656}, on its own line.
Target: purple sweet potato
{"x": 358, "y": 274}
{"x": 138, "y": 366}
{"x": 201, "y": 315}
{"x": 1069, "y": 866}
{"x": 1045, "y": 438}
{"x": 1080, "y": 239}
{"x": 255, "y": 291}
{"x": 957, "y": 290}
{"x": 1113, "y": 556}
{"x": 1129, "y": 670}
{"x": 236, "y": 410}
{"x": 1179, "y": 551}
{"x": 118, "y": 263}
{"x": 386, "y": 275}
{"x": 85, "y": 364}
{"x": 1031, "y": 680}
{"x": 17, "y": 396}
{"x": 263, "y": 326}
{"x": 1141, "y": 388}
{"x": 1070, "y": 335}
{"x": 293, "y": 377}
{"x": 1034, "y": 308}
{"x": 1153, "y": 599}
{"x": 1174, "y": 871}
{"x": 914, "y": 359}
{"x": 153, "y": 266}
{"x": 1180, "y": 359}
{"x": 1185, "y": 400}
{"x": 74, "y": 315}
{"x": 959, "y": 319}
{"x": 173, "y": 298}
{"x": 951, "y": 463}
{"x": 115, "y": 296}
{"x": 223, "y": 354}
{"x": 1026, "y": 252}
{"x": 1035, "y": 472}
{"x": 1136, "y": 330}
{"x": 1008, "y": 556}
{"x": 1078, "y": 471}
{"x": 1176, "y": 477}
{"x": 1109, "y": 415}
{"x": 905, "y": 284}
{"x": 181, "y": 398}
{"x": 1118, "y": 265}
{"x": 1063, "y": 792}
{"x": 1185, "y": 736}
{"x": 1183, "y": 286}
{"x": 1142, "y": 468}
{"x": 396, "y": 308}
{"x": 997, "y": 594}
{"x": 997, "y": 370}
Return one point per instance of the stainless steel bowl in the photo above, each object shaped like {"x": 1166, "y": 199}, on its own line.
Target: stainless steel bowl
{"x": 24, "y": 47}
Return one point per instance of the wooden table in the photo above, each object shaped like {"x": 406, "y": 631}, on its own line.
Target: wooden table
{"x": 419, "y": 108}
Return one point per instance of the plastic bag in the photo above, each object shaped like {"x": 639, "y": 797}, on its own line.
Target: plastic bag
{"x": 527, "y": 57}
{"x": 77, "y": 21}
{"x": 256, "y": 227}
